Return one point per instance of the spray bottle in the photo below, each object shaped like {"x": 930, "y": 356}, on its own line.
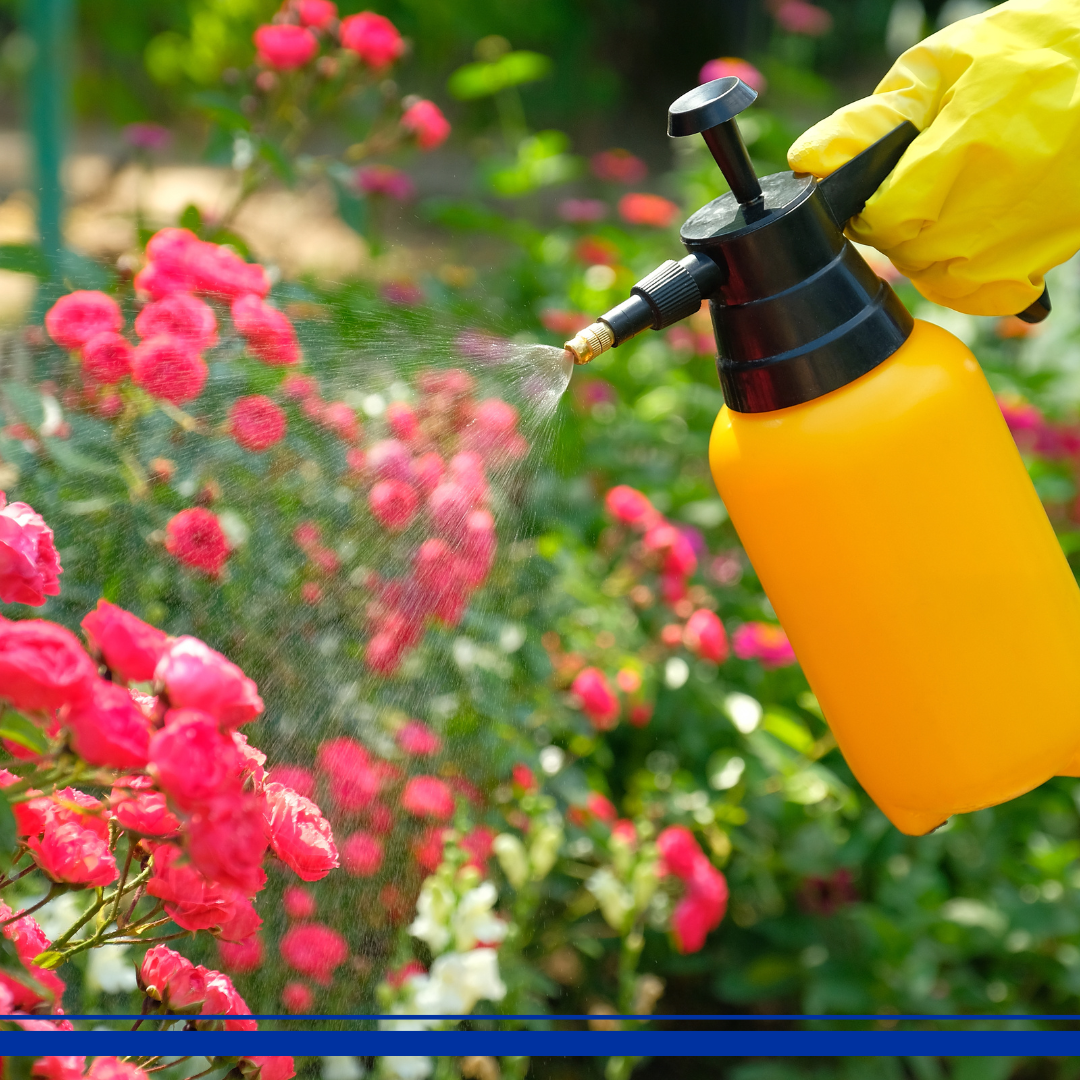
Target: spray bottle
{"x": 875, "y": 487}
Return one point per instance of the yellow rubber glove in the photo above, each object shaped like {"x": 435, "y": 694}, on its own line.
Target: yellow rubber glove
{"x": 987, "y": 197}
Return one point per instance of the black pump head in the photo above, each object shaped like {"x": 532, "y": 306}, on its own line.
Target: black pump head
{"x": 796, "y": 311}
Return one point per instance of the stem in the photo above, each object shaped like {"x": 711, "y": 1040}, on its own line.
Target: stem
{"x": 53, "y": 892}
{"x": 92, "y": 910}
{"x": 167, "y": 1065}
{"x": 5, "y": 882}
{"x": 123, "y": 882}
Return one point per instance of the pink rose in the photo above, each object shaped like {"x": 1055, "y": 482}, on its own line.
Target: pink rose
{"x": 296, "y": 777}
{"x": 169, "y": 368}
{"x": 762, "y": 642}
{"x": 416, "y": 738}
{"x": 267, "y": 1068}
{"x": 726, "y": 66}
{"x": 111, "y": 1068}
{"x": 314, "y": 950}
{"x": 393, "y": 504}
{"x": 191, "y": 901}
{"x": 42, "y": 666}
{"x": 285, "y": 46}
{"x": 268, "y": 332}
{"x": 427, "y": 796}
{"x": 640, "y": 208}
{"x": 58, "y": 1068}
{"x": 299, "y": 834}
{"x": 242, "y": 956}
{"x": 222, "y": 999}
{"x": 107, "y": 728}
{"x": 317, "y": 13}
{"x": 226, "y": 841}
{"x": 107, "y": 357}
{"x": 29, "y": 565}
{"x": 704, "y": 635}
{"x": 130, "y": 647}
{"x": 598, "y": 700}
{"x": 179, "y": 315}
{"x": 74, "y": 319}
{"x": 72, "y": 854}
{"x": 297, "y": 998}
{"x": 298, "y": 902}
{"x": 192, "y": 760}
{"x": 195, "y": 538}
{"x": 172, "y": 979}
{"x": 139, "y": 808}
{"x": 628, "y": 505}
{"x": 372, "y": 37}
{"x": 257, "y": 423}
{"x": 362, "y": 854}
{"x": 197, "y": 677}
{"x": 426, "y": 121}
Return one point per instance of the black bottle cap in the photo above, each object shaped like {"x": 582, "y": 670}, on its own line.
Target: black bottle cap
{"x": 796, "y": 311}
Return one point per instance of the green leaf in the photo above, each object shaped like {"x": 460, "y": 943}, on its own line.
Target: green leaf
{"x": 192, "y": 219}
{"x": 49, "y": 959}
{"x": 24, "y": 259}
{"x": 788, "y": 730}
{"x": 18, "y": 729}
{"x": 222, "y": 110}
{"x": 9, "y": 836}
{"x": 25, "y": 402}
{"x": 73, "y": 461}
{"x": 278, "y": 160}
{"x": 484, "y": 79}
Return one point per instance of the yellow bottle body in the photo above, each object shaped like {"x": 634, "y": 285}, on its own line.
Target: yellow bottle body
{"x": 898, "y": 536}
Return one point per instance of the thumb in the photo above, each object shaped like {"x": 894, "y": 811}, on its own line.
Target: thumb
{"x": 910, "y": 91}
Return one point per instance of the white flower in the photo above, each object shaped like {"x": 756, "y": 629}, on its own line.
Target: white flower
{"x": 342, "y": 1068}
{"x": 513, "y": 858}
{"x": 434, "y": 909}
{"x": 473, "y": 921}
{"x": 544, "y": 850}
{"x": 110, "y": 970}
{"x": 406, "y": 1068}
{"x": 615, "y": 900}
{"x": 457, "y": 981}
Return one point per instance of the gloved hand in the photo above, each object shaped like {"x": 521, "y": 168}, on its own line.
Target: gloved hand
{"x": 987, "y": 197}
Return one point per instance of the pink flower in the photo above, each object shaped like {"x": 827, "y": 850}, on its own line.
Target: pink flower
{"x": 172, "y": 979}
{"x": 297, "y": 387}
{"x": 74, "y": 855}
{"x": 74, "y": 319}
{"x": 426, "y": 121}
{"x": 385, "y": 180}
{"x": 624, "y": 830}
{"x": 600, "y": 806}
{"x": 726, "y": 66}
{"x": 628, "y": 505}
{"x": 704, "y": 636}
{"x": 179, "y": 315}
{"x": 582, "y": 211}
{"x": 314, "y": 950}
{"x": 241, "y": 956}
{"x": 29, "y": 566}
{"x": 107, "y": 357}
{"x": 389, "y": 460}
{"x": 402, "y": 293}
{"x": 293, "y": 776}
{"x": 217, "y": 271}
{"x": 130, "y": 648}
{"x": 139, "y": 808}
{"x": 598, "y": 702}
{"x": 317, "y": 13}
{"x": 256, "y": 422}
{"x": 223, "y": 1000}
{"x": 361, "y": 854}
{"x": 297, "y": 998}
{"x": 427, "y": 796}
{"x": 267, "y": 1068}
{"x": 195, "y": 538}
{"x": 341, "y": 420}
{"x": 403, "y": 423}
{"x": 640, "y": 208}
{"x": 111, "y": 1068}
{"x": 196, "y": 677}
{"x": 29, "y": 942}
{"x": 268, "y": 332}
{"x": 147, "y": 136}
{"x": 298, "y": 902}
{"x": 225, "y": 840}
{"x": 618, "y": 166}
{"x": 107, "y": 728}
{"x": 762, "y": 642}
{"x": 393, "y": 504}
{"x": 524, "y": 778}
{"x": 58, "y": 1068}
{"x": 284, "y": 46}
{"x": 679, "y": 850}
{"x": 354, "y": 784}
{"x": 417, "y": 739}
{"x": 192, "y": 760}
{"x": 42, "y": 666}
{"x": 427, "y": 849}
{"x": 478, "y": 843}
{"x": 372, "y": 37}
{"x": 428, "y": 471}
{"x": 799, "y": 17}
{"x": 170, "y": 369}
{"x": 676, "y": 547}
{"x": 299, "y": 834}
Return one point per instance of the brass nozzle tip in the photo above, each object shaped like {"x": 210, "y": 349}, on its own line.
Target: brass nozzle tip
{"x": 590, "y": 342}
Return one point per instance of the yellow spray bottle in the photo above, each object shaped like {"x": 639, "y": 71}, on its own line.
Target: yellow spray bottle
{"x": 875, "y": 486}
